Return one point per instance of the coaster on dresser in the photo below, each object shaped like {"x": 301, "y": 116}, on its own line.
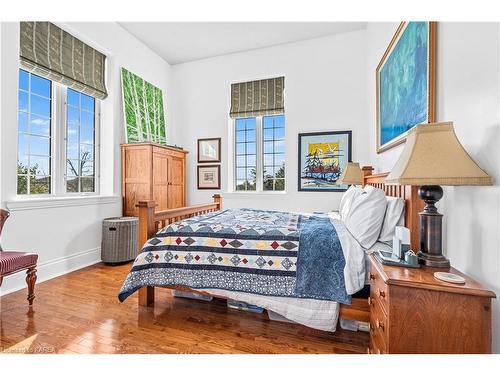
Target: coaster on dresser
{"x": 449, "y": 277}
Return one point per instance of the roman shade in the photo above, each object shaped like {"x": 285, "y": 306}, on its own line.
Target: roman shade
{"x": 55, "y": 54}
{"x": 257, "y": 98}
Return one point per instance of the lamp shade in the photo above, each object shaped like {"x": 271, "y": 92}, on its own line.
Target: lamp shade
{"x": 433, "y": 155}
{"x": 352, "y": 175}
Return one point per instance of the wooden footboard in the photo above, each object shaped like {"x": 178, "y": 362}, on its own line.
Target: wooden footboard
{"x": 150, "y": 221}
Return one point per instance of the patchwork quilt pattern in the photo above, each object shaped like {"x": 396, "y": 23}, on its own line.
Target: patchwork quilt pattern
{"x": 244, "y": 250}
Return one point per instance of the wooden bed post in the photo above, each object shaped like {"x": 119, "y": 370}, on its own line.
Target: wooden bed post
{"x": 218, "y": 200}
{"x": 367, "y": 171}
{"x": 146, "y": 230}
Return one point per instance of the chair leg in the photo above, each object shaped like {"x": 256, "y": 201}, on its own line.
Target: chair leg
{"x": 31, "y": 280}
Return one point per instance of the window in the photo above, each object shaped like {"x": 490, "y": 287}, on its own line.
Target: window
{"x": 57, "y": 132}
{"x": 80, "y": 142}
{"x": 34, "y": 134}
{"x": 260, "y": 153}
{"x": 273, "y": 137}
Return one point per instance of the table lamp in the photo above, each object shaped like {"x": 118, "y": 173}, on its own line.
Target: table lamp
{"x": 434, "y": 156}
{"x": 351, "y": 175}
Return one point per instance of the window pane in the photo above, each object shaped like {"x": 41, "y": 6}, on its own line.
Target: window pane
{"x": 251, "y": 160}
{"x": 250, "y": 135}
{"x": 23, "y": 80}
{"x": 87, "y": 185}
{"x": 268, "y": 159}
{"x": 40, "y": 86}
{"x": 23, "y": 101}
{"x": 87, "y": 103}
{"x": 88, "y": 169}
{"x": 279, "y": 159}
{"x": 72, "y": 168}
{"x": 240, "y": 161}
{"x": 251, "y": 148}
{"x": 40, "y": 125}
{"x": 80, "y": 142}
{"x": 240, "y": 149}
{"x": 23, "y": 144}
{"x": 39, "y": 145}
{"x": 40, "y": 185}
{"x": 34, "y": 142}
{"x": 39, "y": 105}
{"x": 240, "y": 173}
{"x": 86, "y": 151}
{"x": 22, "y": 122}
{"x": 279, "y": 133}
{"x": 40, "y": 165}
{"x": 279, "y": 147}
{"x": 273, "y": 158}
{"x": 268, "y": 134}
{"x": 240, "y": 136}
{"x": 22, "y": 185}
{"x": 268, "y": 147}
{"x": 240, "y": 124}
{"x": 73, "y": 98}
{"x": 72, "y": 185}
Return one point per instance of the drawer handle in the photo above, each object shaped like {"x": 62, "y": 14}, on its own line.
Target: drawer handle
{"x": 380, "y": 324}
{"x": 372, "y": 276}
{"x": 381, "y": 293}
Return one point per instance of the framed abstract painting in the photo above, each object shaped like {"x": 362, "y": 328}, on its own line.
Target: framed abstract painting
{"x": 406, "y": 83}
{"x": 322, "y": 158}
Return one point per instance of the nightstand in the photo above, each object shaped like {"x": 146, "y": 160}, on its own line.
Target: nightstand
{"x": 412, "y": 312}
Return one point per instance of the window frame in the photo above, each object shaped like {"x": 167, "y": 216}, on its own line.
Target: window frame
{"x": 58, "y": 145}
{"x": 259, "y": 149}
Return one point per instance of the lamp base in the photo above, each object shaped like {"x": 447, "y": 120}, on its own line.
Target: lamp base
{"x": 431, "y": 228}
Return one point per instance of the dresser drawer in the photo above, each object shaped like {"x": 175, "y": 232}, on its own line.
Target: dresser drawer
{"x": 379, "y": 323}
{"x": 379, "y": 292}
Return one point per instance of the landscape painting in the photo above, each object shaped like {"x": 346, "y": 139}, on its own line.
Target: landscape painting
{"x": 405, "y": 83}
{"x": 143, "y": 110}
{"x": 322, "y": 158}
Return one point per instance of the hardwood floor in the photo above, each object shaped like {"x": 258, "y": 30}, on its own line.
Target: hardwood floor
{"x": 80, "y": 313}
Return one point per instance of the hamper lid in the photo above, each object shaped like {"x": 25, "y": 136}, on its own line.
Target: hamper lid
{"x": 121, "y": 219}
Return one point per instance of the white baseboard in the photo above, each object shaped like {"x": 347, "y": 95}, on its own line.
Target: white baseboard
{"x": 52, "y": 268}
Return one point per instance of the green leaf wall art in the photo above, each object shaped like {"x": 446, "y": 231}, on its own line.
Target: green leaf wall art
{"x": 142, "y": 109}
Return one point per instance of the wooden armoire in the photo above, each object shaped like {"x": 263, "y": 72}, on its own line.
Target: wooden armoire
{"x": 153, "y": 172}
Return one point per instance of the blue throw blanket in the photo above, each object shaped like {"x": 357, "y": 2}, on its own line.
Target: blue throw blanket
{"x": 253, "y": 251}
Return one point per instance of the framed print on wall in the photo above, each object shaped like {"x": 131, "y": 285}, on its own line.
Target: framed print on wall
{"x": 209, "y": 150}
{"x": 322, "y": 158}
{"x": 143, "y": 112}
{"x": 208, "y": 176}
{"x": 406, "y": 83}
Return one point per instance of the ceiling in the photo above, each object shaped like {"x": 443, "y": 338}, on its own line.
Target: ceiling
{"x": 179, "y": 42}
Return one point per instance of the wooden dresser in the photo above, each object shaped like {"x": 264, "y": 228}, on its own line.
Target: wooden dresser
{"x": 151, "y": 171}
{"x": 413, "y": 312}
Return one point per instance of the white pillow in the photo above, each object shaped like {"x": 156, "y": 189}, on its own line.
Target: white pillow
{"x": 366, "y": 216}
{"x": 347, "y": 199}
{"x": 394, "y": 215}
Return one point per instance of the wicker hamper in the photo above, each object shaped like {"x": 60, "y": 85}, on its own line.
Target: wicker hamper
{"x": 119, "y": 239}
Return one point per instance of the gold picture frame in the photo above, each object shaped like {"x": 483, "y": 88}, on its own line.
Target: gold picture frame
{"x": 431, "y": 83}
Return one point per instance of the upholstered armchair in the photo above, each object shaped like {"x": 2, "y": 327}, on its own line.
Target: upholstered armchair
{"x": 12, "y": 262}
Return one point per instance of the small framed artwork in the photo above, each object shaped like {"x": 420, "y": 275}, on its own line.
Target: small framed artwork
{"x": 209, "y": 150}
{"x": 406, "y": 83}
{"x": 209, "y": 177}
{"x": 322, "y": 158}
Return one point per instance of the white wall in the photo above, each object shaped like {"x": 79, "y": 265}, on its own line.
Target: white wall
{"x": 325, "y": 89}
{"x": 68, "y": 236}
{"x": 468, "y": 93}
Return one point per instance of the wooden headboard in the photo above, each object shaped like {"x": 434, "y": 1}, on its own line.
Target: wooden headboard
{"x": 413, "y": 204}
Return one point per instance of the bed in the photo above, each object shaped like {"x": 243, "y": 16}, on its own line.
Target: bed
{"x": 252, "y": 256}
